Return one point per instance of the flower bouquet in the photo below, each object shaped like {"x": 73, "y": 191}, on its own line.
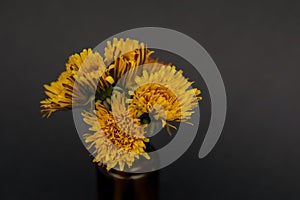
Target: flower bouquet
{"x": 126, "y": 96}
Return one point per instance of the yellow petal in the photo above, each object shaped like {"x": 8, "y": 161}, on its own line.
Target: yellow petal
{"x": 110, "y": 79}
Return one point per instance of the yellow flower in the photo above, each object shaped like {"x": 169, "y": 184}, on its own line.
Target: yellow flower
{"x": 88, "y": 79}
{"x": 128, "y": 49}
{"x": 166, "y": 93}
{"x": 124, "y": 55}
{"x": 117, "y": 139}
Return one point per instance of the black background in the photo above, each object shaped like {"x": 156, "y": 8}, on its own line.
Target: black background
{"x": 256, "y": 46}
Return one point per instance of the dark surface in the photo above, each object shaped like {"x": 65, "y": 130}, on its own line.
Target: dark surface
{"x": 256, "y": 46}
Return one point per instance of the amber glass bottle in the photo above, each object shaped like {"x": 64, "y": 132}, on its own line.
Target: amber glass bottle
{"x": 117, "y": 185}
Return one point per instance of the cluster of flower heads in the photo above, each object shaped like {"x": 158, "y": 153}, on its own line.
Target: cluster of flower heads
{"x": 119, "y": 92}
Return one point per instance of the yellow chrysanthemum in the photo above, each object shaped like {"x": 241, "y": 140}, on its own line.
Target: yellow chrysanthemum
{"x": 129, "y": 49}
{"x": 124, "y": 55}
{"x": 117, "y": 139}
{"x": 61, "y": 92}
{"x": 166, "y": 93}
